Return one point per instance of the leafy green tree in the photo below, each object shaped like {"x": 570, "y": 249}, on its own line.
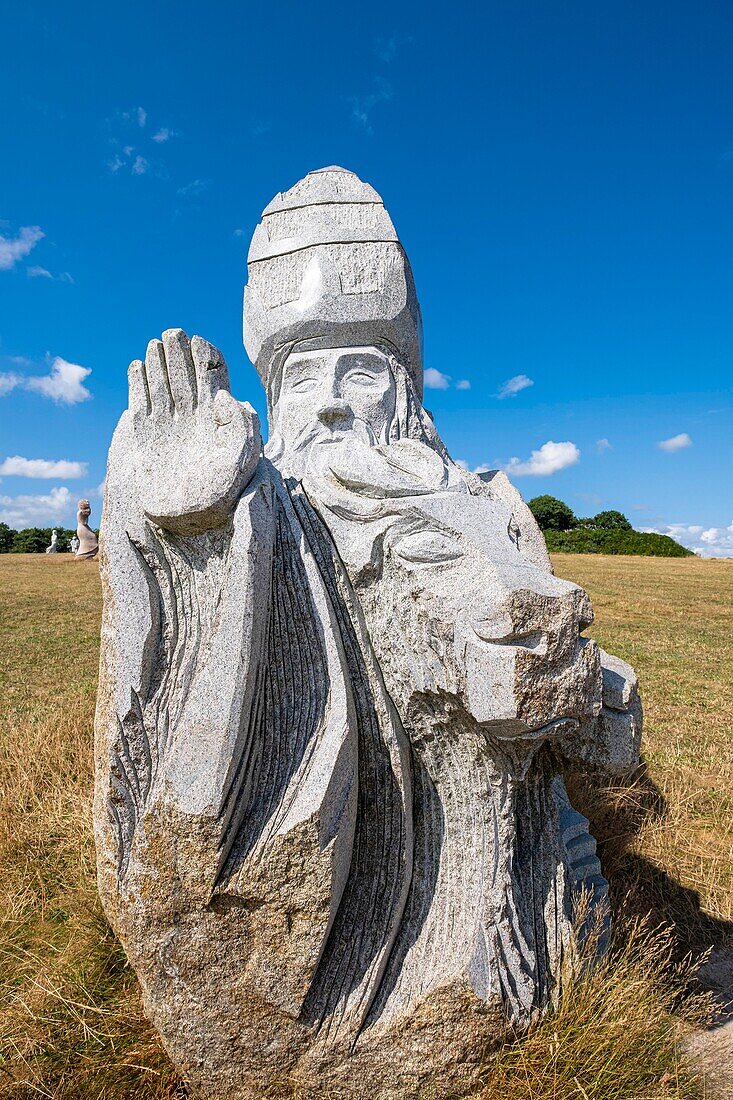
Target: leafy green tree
{"x": 552, "y": 514}
{"x": 35, "y": 540}
{"x": 31, "y": 540}
{"x": 7, "y": 534}
{"x": 611, "y": 521}
{"x": 590, "y": 540}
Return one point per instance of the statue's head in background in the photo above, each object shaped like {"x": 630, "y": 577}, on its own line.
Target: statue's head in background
{"x": 84, "y": 510}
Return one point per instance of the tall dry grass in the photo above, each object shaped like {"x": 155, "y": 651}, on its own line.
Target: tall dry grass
{"x": 71, "y": 1023}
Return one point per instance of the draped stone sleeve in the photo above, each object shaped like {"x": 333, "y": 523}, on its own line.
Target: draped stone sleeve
{"x": 253, "y": 798}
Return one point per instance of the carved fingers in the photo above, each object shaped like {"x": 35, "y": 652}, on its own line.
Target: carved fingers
{"x": 181, "y": 372}
{"x": 212, "y": 375}
{"x": 139, "y": 398}
{"x": 178, "y": 375}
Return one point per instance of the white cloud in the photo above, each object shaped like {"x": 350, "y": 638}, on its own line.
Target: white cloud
{"x": 13, "y": 249}
{"x": 163, "y": 134}
{"x": 142, "y": 117}
{"x": 463, "y": 384}
{"x": 36, "y": 511}
{"x": 710, "y": 542}
{"x": 8, "y": 381}
{"x": 675, "y": 443}
{"x": 17, "y": 466}
{"x": 435, "y": 380}
{"x": 550, "y": 458}
{"x": 362, "y": 106}
{"x": 482, "y": 468}
{"x": 603, "y": 445}
{"x": 64, "y": 384}
{"x": 195, "y": 187}
{"x": 139, "y": 166}
{"x": 514, "y": 385}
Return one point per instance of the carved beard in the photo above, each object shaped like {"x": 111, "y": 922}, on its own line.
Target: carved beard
{"x": 294, "y": 458}
{"x": 311, "y": 452}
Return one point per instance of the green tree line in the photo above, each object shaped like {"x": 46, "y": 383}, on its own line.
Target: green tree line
{"x": 607, "y": 532}
{"x": 33, "y": 540}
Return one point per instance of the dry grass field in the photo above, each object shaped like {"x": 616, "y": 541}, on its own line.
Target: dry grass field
{"x": 71, "y": 1025}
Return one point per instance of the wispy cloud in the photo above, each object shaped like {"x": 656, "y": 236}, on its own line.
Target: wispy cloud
{"x": 17, "y": 248}
{"x": 194, "y": 188}
{"x": 435, "y": 380}
{"x": 8, "y": 381}
{"x": 17, "y": 466}
{"x": 386, "y": 48}
{"x": 603, "y": 445}
{"x": 130, "y": 151}
{"x": 675, "y": 443}
{"x": 44, "y": 273}
{"x": 514, "y": 385}
{"x": 362, "y": 106}
{"x": 41, "y": 510}
{"x": 138, "y": 116}
{"x": 463, "y": 384}
{"x": 549, "y": 459}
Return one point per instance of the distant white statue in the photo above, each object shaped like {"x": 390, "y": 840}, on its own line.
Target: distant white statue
{"x": 86, "y": 542}
{"x": 74, "y": 544}
{"x": 53, "y": 548}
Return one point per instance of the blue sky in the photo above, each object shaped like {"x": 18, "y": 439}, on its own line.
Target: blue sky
{"x": 561, "y": 175}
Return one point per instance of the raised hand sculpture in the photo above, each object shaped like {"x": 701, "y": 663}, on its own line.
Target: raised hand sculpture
{"x": 339, "y": 682}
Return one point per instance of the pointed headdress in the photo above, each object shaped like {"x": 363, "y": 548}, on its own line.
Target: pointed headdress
{"x": 326, "y": 268}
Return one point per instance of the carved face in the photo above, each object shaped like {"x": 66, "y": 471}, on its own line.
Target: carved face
{"x": 85, "y": 510}
{"x": 330, "y": 393}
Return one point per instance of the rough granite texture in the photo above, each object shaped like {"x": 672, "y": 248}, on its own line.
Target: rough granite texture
{"x": 339, "y": 681}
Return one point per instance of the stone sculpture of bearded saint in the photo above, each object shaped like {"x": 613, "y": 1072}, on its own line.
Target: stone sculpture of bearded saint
{"x": 339, "y": 681}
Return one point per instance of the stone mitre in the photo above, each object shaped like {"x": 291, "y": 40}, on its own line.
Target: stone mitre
{"x": 325, "y": 264}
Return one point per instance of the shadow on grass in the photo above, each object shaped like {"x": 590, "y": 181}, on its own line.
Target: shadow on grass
{"x": 618, "y": 810}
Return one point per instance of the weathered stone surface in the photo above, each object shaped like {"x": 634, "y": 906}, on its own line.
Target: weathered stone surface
{"x": 87, "y": 541}
{"x": 339, "y": 681}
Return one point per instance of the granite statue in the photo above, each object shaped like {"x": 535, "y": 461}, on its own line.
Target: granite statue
{"x": 54, "y": 547}
{"x": 87, "y": 543}
{"x": 339, "y": 684}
